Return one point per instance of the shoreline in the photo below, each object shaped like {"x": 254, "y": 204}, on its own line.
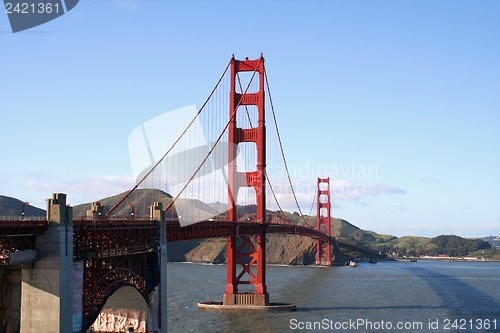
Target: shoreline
{"x": 340, "y": 265}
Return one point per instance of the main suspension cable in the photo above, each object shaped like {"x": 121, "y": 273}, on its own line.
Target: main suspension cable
{"x": 282, "y": 151}
{"x": 171, "y": 147}
{"x": 218, "y": 139}
{"x": 265, "y": 171}
{"x": 314, "y": 200}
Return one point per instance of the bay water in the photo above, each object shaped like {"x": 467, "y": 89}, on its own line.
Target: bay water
{"x": 423, "y": 296}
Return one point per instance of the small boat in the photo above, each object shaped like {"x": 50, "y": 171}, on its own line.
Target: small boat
{"x": 352, "y": 264}
{"x": 406, "y": 259}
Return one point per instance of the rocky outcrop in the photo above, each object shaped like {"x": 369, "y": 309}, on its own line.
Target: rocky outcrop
{"x": 210, "y": 251}
{"x": 280, "y": 249}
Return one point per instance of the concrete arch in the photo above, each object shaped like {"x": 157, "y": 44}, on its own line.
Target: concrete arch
{"x": 124, "y": 308}
{"x": 106, "y": 286}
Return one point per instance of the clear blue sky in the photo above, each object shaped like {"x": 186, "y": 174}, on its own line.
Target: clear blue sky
{"x": 409, "y": 88}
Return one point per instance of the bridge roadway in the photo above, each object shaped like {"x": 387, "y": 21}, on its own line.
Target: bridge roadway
{"x": 113, "y": 237}
{"x": 103, "y": 244}
{"x": 107, "y": 238}
{"x": 19, "y": 236}
{"x": 221, "y": 228}
{"x": 19, "y": 227}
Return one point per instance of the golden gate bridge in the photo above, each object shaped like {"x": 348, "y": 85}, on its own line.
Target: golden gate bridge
{"x": 217, "y": 184}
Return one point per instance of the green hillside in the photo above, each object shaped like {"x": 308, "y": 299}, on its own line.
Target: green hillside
{"x": 406, "y": 245}
{"x": 343, "y": 229}
{"x": 450, "y": 245}
{"x": 456, "y": 246}
{"x": 14, "y": 207}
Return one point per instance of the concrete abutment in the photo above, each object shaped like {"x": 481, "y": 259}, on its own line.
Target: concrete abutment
{"x": 47, "y": 287}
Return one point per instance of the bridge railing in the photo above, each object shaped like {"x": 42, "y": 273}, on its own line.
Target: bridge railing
{"x": 23, "y": 218}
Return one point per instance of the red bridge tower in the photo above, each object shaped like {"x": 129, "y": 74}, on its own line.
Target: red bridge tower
{"x": 241, "y": 251}
{"x": 323, "y": 255}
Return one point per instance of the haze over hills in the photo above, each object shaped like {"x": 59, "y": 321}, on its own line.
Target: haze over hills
{"x": 352, "y": 241}
{"x": 147, "y": 197}
{"x": 140, "y": 200}
{"x": 493, "y": 240}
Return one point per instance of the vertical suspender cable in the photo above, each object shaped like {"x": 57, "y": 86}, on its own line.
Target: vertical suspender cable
{"x": 171, "y": 147}
{"x": 282, "y": 151}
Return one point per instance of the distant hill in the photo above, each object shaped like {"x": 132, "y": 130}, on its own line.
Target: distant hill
{"x": 456, "y": 246}
{"x": 450, "y": 245}
{"x": 280, "y": 249}
{"x": 144, "y": 197}
{"x": 13, "y": 207}
{"x": 406, "y": 246}
{"x": 296, "y": 250}
{"x": 352, "y": 241}
{"x": 493, "y": 240}
{"x": 413, "y": 245}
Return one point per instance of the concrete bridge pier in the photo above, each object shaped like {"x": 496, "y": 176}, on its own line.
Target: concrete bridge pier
{"x": 158, "y": 214}
{"x": 47, "y": 284}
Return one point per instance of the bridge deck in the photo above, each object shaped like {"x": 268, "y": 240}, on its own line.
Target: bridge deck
{"x": 19, "y": 227}
{"x": 18, "y": 236}
{"x": 215, "y": 229}
{"x": 117, "y": 237}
